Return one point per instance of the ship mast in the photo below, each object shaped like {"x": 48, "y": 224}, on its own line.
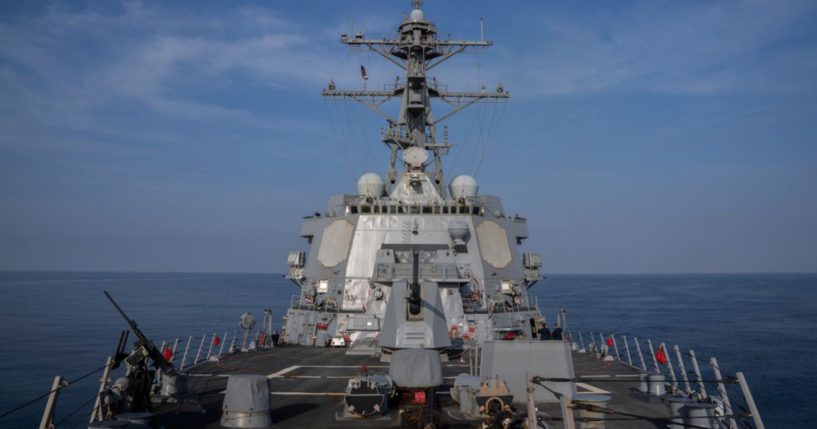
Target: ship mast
{"x": 414, "y": 131}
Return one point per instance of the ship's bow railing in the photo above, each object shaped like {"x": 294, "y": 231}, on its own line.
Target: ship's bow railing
{"x": 682, "y": 373}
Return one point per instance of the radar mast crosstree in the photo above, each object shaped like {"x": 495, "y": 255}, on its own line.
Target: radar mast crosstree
{"x": 416, "y": 51}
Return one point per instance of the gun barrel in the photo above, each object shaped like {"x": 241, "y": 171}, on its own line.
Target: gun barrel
{"x": 119, "y": 309}
{"x": 158, "y": 360}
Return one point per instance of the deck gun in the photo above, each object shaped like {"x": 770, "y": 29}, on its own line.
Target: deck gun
{"x": 144, "y": 348}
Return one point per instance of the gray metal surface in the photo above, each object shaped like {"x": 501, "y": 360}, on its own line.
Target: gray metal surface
{"x": 513, "y": 360}
{"x": 358, "y": 246}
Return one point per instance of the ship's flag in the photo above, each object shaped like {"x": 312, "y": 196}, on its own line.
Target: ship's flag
{"x": 167, "y": 354}
{"x": 363, "y": 73}
{"x": 610, "y": 342}
{"x": 661, "y": 356}
{"x": 216, "y": 341}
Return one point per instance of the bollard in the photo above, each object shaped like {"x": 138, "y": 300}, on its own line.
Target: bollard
{"x": 591, "y": 419}
{"x": 700, "y": 415}
{"x": 698, "y": 377}
{"x": 727, "y": 405}
{"x": 656, "y": 384}
{"x": 640, "y": 356}
{"x": 642, "y": 385}
{"x": 683, "y": 370}
{"x": 676, "y": 405}
{"x": 627, "y": 349}
{"x": 186, "y": 350}
{"x": 246, "y": 402}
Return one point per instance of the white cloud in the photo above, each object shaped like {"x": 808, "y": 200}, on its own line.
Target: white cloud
{"x": 693, "y": 48}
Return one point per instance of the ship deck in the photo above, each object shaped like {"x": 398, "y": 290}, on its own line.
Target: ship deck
{"x": 307, "y": 386}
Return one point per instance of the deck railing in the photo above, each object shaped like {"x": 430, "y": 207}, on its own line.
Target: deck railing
{"x": 682, "y": 370}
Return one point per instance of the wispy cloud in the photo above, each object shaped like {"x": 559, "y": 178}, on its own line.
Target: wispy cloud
{"x": 692, "y": 48}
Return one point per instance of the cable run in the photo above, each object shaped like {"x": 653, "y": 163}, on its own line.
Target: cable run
{"x": 76, "y": 410}
{"x": 64, "y": 385}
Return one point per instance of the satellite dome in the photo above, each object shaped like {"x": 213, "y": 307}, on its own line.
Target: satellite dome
{"x": 416, "y": 15}
{"x": 370, "y": 185}
{"x": 459, "y": 231}
{"x": 464, "y": 187}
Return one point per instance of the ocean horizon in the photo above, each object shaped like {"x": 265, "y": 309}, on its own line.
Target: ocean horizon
{"x": 59, "y": 323}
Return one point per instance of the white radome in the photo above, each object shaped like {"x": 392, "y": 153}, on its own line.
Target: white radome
{"x": 464, "y": 187}
{"x": 371, "y": 185}
{"x": 416, "y": 15}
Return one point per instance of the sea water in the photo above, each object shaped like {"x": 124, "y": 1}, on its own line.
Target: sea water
{"x": 56, "y": 323}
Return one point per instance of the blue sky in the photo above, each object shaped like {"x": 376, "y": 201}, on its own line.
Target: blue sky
{"x": 643, "y": 136}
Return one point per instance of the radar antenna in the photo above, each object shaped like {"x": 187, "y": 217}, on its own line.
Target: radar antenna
{"x": 416, "y": 50}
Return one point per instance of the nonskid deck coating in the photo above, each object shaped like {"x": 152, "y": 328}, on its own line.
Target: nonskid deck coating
{"x": 307, "y": 385}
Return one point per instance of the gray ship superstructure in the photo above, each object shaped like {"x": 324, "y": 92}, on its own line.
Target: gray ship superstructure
{"x": 367, "y": 250}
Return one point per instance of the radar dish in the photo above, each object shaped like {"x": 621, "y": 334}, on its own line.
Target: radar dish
{"x": 415, "y": 156}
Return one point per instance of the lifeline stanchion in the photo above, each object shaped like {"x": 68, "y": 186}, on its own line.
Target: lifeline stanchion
{"x": 212, "y": 343}
{"x": 627, "y": 349}
{"x": 221, "y": 347}
{"x": 201, "y": 346}
{"x": 61, "y": 386}
{"x": 640, "y": 356}
{"x": 615, "y": 347}
{"x": 103, "y": 384}
{"x": 564, "y": 319}
{"x": 48, "y": 415}
{"x": 654, "y": 360}
{"x": 727, "y": 404}
{"x": 232, "y": 344}
{"x": 750, "y": 401}
{"x": 683, "y": 370}
{"x": 173, "y": 353}
{"x": 698, "y": 377}
{"x": 531, "y": 405}
{"x": 565, "y": 403}
{"x": 186, "y": 350}
{"x": 671, "y": 369}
